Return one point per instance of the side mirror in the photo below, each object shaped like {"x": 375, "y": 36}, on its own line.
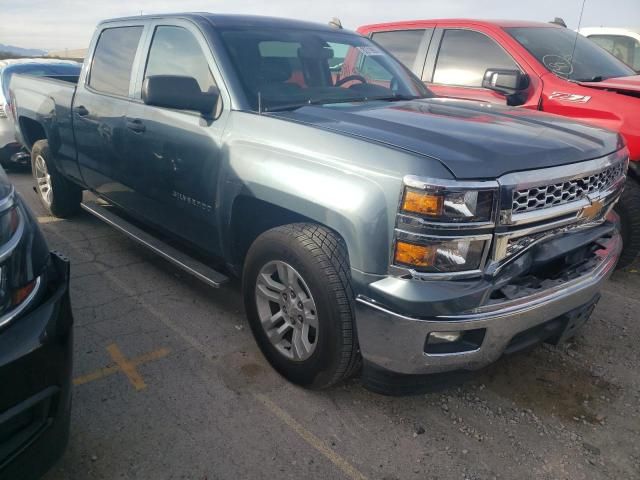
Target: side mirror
{"x": 181, "y": 93}
{"x": 505, "y": 81}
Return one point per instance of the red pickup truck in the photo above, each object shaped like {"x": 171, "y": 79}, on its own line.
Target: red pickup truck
{"x": 535, "y": 65}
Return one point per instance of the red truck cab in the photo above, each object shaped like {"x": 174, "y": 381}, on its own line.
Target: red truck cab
{"x": 534, "y": 65}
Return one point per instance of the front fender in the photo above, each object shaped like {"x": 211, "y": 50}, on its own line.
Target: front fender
{"x": 353, "y": 205}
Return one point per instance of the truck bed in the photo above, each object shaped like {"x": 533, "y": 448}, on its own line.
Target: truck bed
{"x": 44, "y": 100}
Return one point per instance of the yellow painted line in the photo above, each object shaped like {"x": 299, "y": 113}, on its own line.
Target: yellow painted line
{"x": 128, "y": 368}
{"x": 97, "y": 375}
{"x": 148, "y": 357}
{"x": 348, "y": 469}
{"x": 111, "y": 369}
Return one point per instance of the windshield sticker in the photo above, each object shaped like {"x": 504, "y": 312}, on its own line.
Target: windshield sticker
{"x": 370, "y": 51}
{"x": 559, "y": 65}
{"x": 569, "y": 97}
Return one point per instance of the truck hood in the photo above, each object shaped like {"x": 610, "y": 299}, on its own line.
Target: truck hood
{"x": 473, "y": 140}
{"x": 625, "y": 85}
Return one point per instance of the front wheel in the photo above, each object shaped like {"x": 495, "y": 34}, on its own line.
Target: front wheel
{"x": 299, "y": 302}
{"x": 628, "y": 209}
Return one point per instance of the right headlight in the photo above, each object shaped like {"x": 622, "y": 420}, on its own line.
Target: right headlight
{"x": 446, "y": 204}
{"x": 445, "y": 226}
{"x": 442, "y": 255}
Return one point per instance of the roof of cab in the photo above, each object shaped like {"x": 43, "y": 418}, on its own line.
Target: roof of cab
{"x": 229, "y": 20}
{"x": 457, "y": 21}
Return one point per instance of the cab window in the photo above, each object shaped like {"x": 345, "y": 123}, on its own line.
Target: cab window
{"x": 403, "y": 44}
{"x": 113, "y": 60}
{"x": 465, "y": 56}
{"x": 175, "y": 51}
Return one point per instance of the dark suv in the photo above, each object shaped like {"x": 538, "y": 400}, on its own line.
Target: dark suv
{"x": 35, "y": 344}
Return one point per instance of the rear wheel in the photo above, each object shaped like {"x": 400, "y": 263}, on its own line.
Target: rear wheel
{"x": 58, "y": 195}
{"x": 628, "y": 208}
{"x": 299, "y": 302}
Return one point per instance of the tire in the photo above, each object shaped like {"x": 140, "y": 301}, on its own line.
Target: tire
{"x": 628, "y": 208}
{"x": 319, "y": 267}
{"x": 59, "y": 196}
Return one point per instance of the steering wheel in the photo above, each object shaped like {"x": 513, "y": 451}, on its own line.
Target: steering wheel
{"x": 350, "y": 78}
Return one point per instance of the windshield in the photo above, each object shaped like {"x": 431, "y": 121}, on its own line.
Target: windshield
{"x": 286, "y": 69}
{"x": 554, "y": 48}
{"x": 38, "y": 70}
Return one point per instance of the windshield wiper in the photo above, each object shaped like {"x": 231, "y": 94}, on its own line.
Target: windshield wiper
{"x": 325, "y": 101}
{"x": 597, "y": 78}
{"x": 395, "y": 98}
{"x": 318, "y": 101}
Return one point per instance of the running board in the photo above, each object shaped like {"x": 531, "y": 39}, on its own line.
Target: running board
{"x": 181, "y": 260}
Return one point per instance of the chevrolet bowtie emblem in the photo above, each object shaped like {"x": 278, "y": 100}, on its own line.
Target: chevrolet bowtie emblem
{"x": 590, "y": 212}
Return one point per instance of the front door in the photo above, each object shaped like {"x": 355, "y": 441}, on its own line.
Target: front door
{"x": 174, "y": 155}
{"x": 458, "y": 60}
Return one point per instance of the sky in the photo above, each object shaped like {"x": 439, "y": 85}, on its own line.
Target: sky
{"x": 60, "y": 24}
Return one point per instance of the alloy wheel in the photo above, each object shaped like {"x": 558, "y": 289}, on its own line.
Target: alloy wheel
{"x": 287, "y": 310}
{"x": 43, "y": 180}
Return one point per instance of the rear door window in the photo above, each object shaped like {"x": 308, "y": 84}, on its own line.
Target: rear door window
{"x": 175, "y": 51}
{"x": 403, "y": 44}
{"x": 113, "y": 60}
{"x": 465, "y": 56}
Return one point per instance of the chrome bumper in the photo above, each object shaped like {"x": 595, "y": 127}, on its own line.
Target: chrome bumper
{"x": 397, "y": 343}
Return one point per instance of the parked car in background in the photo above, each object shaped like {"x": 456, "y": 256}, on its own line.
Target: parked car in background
{"x": 539, "y": 66}
{"x": 35, "y": 344}
{"x": 11, "y": 152}
{"x": 624, "y": 43}
{"x": 366, "y": 218}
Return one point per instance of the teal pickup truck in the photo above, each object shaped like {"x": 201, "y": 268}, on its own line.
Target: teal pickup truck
{"x": 371, "y": 223}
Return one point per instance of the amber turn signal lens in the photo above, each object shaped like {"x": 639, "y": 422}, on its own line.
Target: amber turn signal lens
{"x": 21, "y": 294}
{"x": 415, "y": 255}
{"x": 422, "y": 203}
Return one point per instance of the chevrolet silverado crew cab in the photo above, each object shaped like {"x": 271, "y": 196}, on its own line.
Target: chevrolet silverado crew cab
{"x": 366, "y": 218}
{"x": 539, "y": 66}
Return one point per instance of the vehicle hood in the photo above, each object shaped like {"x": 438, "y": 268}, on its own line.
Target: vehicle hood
{"x": 629, "y": 85}
{"x": 473, "y": 140}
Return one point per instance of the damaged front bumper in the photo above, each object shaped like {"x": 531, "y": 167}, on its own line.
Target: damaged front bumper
{"x": 448, "y": 336}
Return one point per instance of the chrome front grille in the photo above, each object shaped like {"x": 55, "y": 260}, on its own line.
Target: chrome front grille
{"x": 551, "y": 195}
{"x": 540, "y": 204}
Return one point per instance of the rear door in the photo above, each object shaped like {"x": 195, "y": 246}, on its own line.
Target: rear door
{"x": 174, "y": 156}
{"x": 458, "y": 59}
{"x": 100, "y": 107}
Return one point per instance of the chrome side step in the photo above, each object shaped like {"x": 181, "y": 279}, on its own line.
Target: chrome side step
{"x": 185, "y": 262}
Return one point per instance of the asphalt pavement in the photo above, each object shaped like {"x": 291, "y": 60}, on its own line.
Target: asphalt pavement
{"x": 169, "y": 384}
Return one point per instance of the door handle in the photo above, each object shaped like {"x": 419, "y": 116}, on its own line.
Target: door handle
{"x": 81, "y": 110}
{"x": 136, "y": 125}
